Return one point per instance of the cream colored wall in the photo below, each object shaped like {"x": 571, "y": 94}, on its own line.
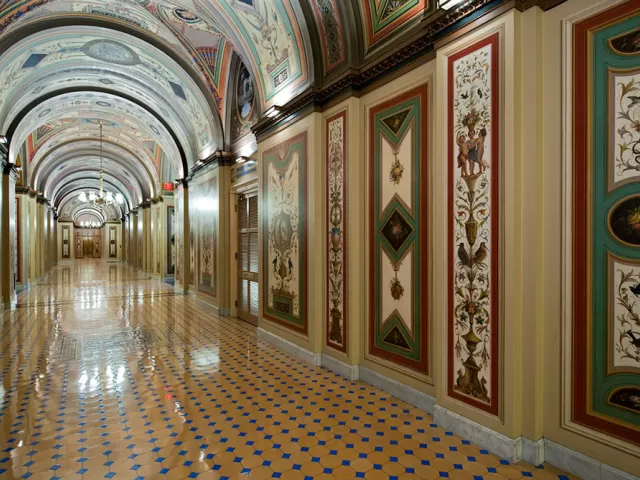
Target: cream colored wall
{"x": 313, "y": 341}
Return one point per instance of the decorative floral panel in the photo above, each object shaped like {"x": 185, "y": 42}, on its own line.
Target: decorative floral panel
{"x": 328, "y": 19}
{"x": 207, "y": 233}
{"x": 113, "y": 247}
{"x": 66, "y": 242}
{"x": 473, "y": 216}
{"x": 193, "y": 219}
{"x": 399, "y": 295}
{"x": 336, "y": 131}
{"x": 178, "y": 236}
{"x": 284, "y": 233}
{"x": 605, "y": 342}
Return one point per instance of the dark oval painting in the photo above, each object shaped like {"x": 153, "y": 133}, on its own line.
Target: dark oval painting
{"x": 624, "y": 221}
{"x": 627, "y": 397}
{"x": 245, "y": 94}
{"x": 627, "y": 44}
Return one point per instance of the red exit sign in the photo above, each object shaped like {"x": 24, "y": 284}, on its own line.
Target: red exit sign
{"x": 167, "y": 186}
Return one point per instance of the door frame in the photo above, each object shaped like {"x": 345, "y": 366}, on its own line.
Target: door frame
{"x": 248, "y": 188}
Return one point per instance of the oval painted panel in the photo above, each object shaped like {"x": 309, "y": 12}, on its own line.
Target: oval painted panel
{"x": 624, "y": 221}
{"x": 111, "y": 52}
{"x": 627, "y": 398}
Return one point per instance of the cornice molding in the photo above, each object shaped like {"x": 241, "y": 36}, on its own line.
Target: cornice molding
{"x": 354, "y": 80}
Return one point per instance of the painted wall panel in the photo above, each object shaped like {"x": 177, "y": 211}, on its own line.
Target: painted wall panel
{"x": 473, "y": 217}
{"x": 399, "y": 295}
{"x": 179, "y": 232}
{"x": 606, "y": 213}
{"x": 193, "y": 248}
{"x": 206, "y": 214}
{"x": 336, "y": 198}
{"x": 284, "y": 233}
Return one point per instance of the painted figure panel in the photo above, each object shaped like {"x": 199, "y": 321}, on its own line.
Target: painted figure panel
{"x": 208, "y": 234}
{"x": 285, "y": 233}
{"x": 336, "y": 235}
{"x": 473, "y": 222}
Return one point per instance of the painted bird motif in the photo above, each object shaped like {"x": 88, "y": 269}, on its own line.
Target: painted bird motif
{"x": 463, "y": 255}
{"x": 481, "y": 253}
{"x": 635, "y": 290}
{"x": 635, "y": 340}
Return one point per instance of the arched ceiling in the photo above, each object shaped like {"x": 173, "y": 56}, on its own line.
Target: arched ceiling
{"x": 172, "y": 81}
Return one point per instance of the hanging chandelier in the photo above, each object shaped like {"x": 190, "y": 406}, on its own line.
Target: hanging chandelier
{"x": 101, "y": 199}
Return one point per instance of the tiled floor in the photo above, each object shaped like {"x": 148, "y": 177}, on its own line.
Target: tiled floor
{"x": 109, "y": 374}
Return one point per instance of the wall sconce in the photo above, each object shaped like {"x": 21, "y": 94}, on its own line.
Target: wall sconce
{"x": 273, "y": 111}
{"x": 449, "y": 4}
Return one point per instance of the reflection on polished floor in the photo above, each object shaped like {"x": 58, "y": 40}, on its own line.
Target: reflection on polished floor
{"x": 107, "y": 373}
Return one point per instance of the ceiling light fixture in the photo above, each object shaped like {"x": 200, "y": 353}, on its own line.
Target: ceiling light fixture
{"x": 102, "y": 199}
{"x": 449, "y": 4}
{"x": 273, "y": 111}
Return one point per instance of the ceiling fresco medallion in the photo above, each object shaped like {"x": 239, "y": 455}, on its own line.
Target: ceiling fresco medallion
{"x": 186, "y": 16}
{"x": 624, "y": 221}
{"x": 111, "y": 52}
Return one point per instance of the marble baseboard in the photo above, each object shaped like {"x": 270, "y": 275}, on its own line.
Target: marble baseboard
{"x": 289, "y": 347}
{"x": 224, "y": 312}
{"x": 533, "y": 451}
{"x": 580, "y": 465}
{"x": 398, "y": 390}
{"x": 496, "y": 443}
{"x": 352, "y": 372}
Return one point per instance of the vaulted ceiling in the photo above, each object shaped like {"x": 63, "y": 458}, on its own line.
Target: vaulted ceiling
{"x": 171, "y": 81}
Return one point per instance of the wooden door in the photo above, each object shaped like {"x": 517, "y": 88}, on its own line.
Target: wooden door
{"x": 248, "y": 279}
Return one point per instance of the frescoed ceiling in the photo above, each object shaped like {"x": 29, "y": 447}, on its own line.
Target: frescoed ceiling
{"x": 173, "y": 82}
{"x": 384, "y": 18}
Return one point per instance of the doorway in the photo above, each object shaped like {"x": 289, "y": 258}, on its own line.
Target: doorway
{"x": 248, "y": 279}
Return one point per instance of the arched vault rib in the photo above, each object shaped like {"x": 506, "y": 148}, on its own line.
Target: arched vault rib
{"x": 129, "y": 185}
{"x": 122, "y": 119}
{"x": 141, "y": 169}
{"x": 112, "y": 182}
{"x": 64, "y": 49}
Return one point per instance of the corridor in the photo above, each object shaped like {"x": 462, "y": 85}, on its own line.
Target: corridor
{"x": 107, "y": 373}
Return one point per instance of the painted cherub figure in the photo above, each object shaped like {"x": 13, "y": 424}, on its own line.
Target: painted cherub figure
{"x": 480, "y": 145}
{"x": 463, "y": 155}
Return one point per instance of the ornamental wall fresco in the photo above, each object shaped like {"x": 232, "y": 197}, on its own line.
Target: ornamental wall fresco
{"x": 605, "y": 235}
{"x": 284, "y": 234}
{"x": 336, "y": 132}
{"x": 473, "y": 217}
{"x": 398, "y": 191}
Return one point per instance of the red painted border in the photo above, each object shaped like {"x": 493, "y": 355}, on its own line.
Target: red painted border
{"x": 303, "y": 187}
{"x": 323, "y": 38}
{"x": 343, "y": 115}
{"x": 493, "y": 408}
{"x": 423, "y": 365}
{"x": 581, "y": 110}
{"x": 372, "y": 38}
